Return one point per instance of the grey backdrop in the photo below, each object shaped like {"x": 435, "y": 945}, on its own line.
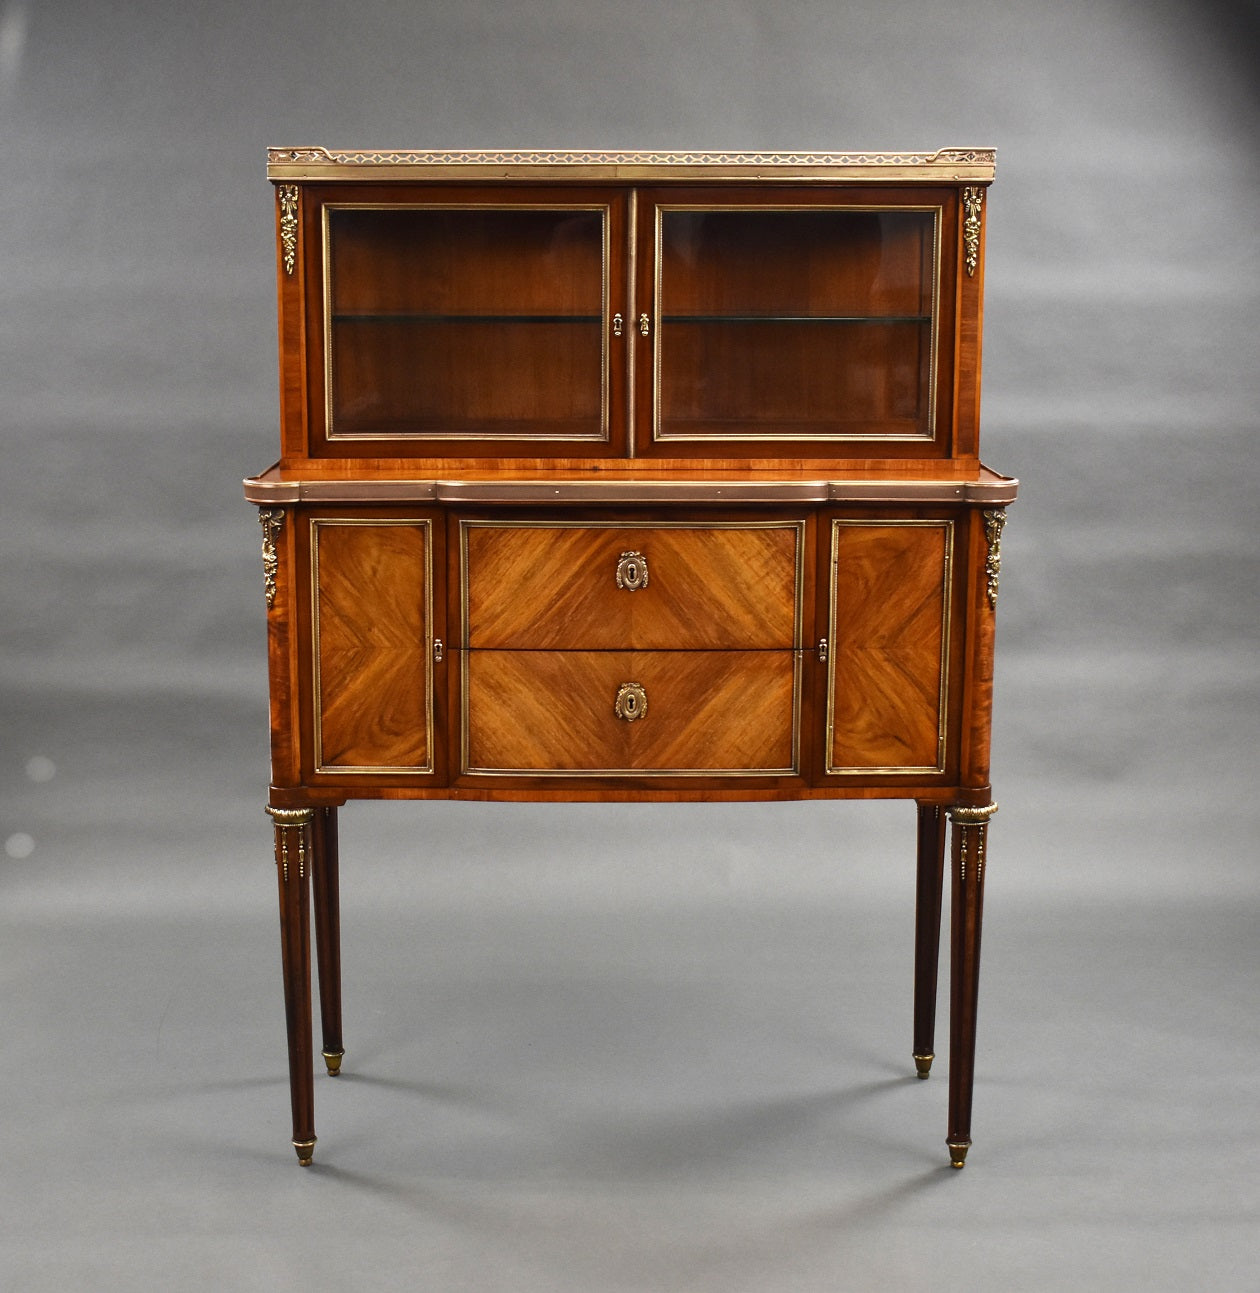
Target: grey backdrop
{"x": 614, "y": 1048}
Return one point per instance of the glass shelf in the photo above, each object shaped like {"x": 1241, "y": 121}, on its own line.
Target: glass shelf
{"x": 797, "y": 318}
{"x": 406, "y": 316}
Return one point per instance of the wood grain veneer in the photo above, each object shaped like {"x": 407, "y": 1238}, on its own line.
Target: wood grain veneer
{"x": 551, "y": 712}
{"x": 891, "y": 590}
{"x": 538, "y": 585}
{"x": 373, "y": 690}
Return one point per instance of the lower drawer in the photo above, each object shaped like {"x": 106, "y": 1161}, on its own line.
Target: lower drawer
{"x": 630, "y": 713}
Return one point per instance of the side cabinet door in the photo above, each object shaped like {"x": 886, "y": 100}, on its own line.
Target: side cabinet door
{"x": 890, "y": 601}
{"x": 373, "y": 640}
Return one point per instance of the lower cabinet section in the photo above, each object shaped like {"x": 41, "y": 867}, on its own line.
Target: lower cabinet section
{"x": 823, "y": 645}
{"x": 639, "y": 713}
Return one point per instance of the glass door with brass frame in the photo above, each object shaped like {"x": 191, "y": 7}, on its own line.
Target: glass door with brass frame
{"x": 792, "y": 320}
{"x": 473, "y": 320}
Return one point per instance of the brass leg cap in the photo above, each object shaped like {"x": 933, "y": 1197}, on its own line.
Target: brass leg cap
{"x": 333, "y": 1060}
{"x": 958, "y": 1152}
{"x": 923, "y": 1063}
{"x": 305, "y": 1151}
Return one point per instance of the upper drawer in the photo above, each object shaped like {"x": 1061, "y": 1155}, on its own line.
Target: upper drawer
{"x": 652, "y": 585}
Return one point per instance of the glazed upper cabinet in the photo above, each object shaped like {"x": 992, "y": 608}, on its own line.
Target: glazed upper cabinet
{"x": 723, "y": 320}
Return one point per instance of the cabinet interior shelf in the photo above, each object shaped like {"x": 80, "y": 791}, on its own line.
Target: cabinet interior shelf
{"x": 796, "y": 318}
{"x": 403, "y": 316}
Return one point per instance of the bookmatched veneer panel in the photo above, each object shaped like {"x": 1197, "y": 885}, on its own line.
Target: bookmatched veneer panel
{"x": 371, "y": 621}
{"x": 709, "y": 586}
{"x": 891, "y": 593}
{"x": 701, "y": 712}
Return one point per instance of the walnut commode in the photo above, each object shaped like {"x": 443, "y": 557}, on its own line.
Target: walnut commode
{"x": 630, "y": 476}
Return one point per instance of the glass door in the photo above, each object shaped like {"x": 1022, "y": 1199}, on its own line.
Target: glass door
{"x": 799, "y": 318}
{"x": 470, "y": 322}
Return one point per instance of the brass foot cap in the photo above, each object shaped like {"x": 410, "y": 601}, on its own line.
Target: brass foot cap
{"x": 305, "y": 1150}
{"x": 924, "y": 1064}
{"x": 333, "y": 1060}
{"x": 958, "y": 1152}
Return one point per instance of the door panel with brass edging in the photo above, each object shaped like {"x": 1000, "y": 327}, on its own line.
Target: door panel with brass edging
{"x": 891, "y": 594}
{"x": 372, "y": 645}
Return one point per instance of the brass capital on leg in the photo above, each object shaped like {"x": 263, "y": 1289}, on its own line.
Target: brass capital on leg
{"x": 305, "y": 1150}
{"x": 923, "y": 1063}
{"x": 333, "y": 1061}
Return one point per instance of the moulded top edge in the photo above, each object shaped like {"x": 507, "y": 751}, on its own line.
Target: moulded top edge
{"x": 989, "y": 488}
{"x": 973, "y": 164}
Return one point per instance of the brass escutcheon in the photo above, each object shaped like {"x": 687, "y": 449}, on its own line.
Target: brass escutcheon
{"x": 632, "y": 571}
{"x": 631, "y": 702}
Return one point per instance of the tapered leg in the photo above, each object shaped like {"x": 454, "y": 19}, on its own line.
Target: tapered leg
{"x": 294, "y": 854}
{"x": 971, "y": 826}
{"x": 927, "y": 932}
{"x": 328, "y": 934}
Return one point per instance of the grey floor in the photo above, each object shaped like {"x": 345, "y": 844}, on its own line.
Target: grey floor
{"x": 601, "y": 1048}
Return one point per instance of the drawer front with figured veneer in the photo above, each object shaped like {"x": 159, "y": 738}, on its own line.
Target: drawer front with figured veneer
{"x": 654, "y": 585}
{"x": 631, "y": 713}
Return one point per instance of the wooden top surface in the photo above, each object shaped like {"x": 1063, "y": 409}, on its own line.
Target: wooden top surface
{"x": 625, "y": 481}
{"x": 947, "y": 165}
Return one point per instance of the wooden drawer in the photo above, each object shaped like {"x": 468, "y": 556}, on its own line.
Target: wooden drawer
{"x": 552, "y": 713}
{"x": 702, "y": 586}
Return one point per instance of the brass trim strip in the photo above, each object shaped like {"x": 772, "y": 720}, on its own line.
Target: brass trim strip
{"x": 812, "y": 437}
{"x": 320, "y": 767}
{"x": 947, "y": 600}
{"x": 601, "y": 436}
{"x": 465, "y": 652}
{"x": 943, "y": 166}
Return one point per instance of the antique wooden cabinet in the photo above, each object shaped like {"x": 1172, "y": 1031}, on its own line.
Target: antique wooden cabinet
{"x": 613, "y": 476}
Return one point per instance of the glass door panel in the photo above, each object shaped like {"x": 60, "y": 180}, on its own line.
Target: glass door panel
{"x": 795, "y": 324}
{"x": 466, "y": 322}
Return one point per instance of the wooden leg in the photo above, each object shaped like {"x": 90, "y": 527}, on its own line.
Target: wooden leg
{"x": 971, "y": 826}
{"x": 328, "y": 934}
{"x": 294, "y": 828}
{"x": 927, "y": 932}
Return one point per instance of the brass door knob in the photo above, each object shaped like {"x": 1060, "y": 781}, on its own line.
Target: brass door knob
{"x": 632, "y": 571}
{"x": 631, "y": 702}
